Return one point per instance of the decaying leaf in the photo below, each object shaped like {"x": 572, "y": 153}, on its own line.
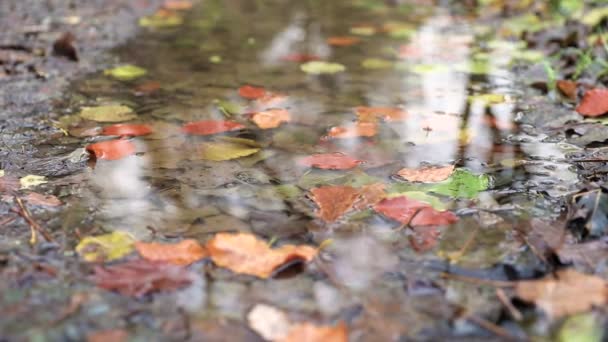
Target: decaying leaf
{"x": 112, "y": 149}
{"x": 320, "y": 67}
{"x": 565, "y": 293}
{"x": 244, "y": 253}
{"x": 413, "y": 213}
{"x": 342, "y": 41}
{"x": 269, "y": 322}
{"x": 34, "y": 198}
{"x": 184, "y": 252}
{"x": 219, "y": 151}
{"x": 308, "y": 332}
{"x": 147, "y": 87}
{"x": 139, "y": 277}
{"x": 251, "y": 92}
{"x": 369, "y": 195}
{"x": 356, "y": 130}
{"x": 430, "y": 174}
{"x": 372, "y": 114}
{"x": 330, "y": 161}
{"x": 106, "y": 247}
{"x": 208, "y": 127}
{"x": 594, "y": 103}
{"x": 271, "y": 118}
{"x": 31, "y": 181}
{"x": 109, "y": 113}
{"x": 126, "y": 72}
{"x": 333, "y": 200}
{"x": 123, "y": 130}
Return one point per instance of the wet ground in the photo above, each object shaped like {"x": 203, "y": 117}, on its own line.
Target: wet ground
{"x": 433, "y": 156}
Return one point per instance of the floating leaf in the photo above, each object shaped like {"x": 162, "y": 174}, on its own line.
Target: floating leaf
{"x": 106, "y": 247}
{"x": 342, "y": 41}
{"x": 376, "y": 63}
{"x": 126, "y": 72}
{"x": 461, "y": 183}
{"x": 139, "y": 277}
{"x": 271, "y": 118}
{"x": 244, "y": 253}
{"x": 330, "y": 161}
{"x": 358, "y": 129}
{"x": 112, "y": 149}
{"x": 319, "y": 67}
{"x": 31, "y": 181}
{"x": 430, "y": 174}
{"x": 219, "y": 151}
{"x": 307, "y": 332}
{"x": 130, "y": 130}
{"x": 251, "y": 92}
{"x": 333, "y": 200}
{"x": 208, "y": 127}
{"x": 372, "y": 114}
{"x": 110, "y": 113}
{"x": 414, "y": 213}
{"x": 594, "y": 103}
{"x": 565, "y": 293}
{"x": 184, "y": 252}
{"x": 34, "y": 198}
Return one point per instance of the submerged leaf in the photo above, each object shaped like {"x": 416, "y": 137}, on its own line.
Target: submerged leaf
{"x": 271, "y": 118}
{"x": 244, "y": 253}
{"x": 112, "y": 149}
{"x": 359, "y": 129}
{"x": 162, "y": 18}
{"x": 219, "y": 151}
{"x": 131, "y": 130}
{"x": 106, "y": 247}
{"x": 126, "y": 72}
{"x": 251, "y": 92}
{"x": 376, "y": 63}
{"x": 430, "y": 174}
{"x": 184, "y": 252}
{"x": 208, "y": 127}
{"x": 330, "y": 161}
{"x": 462, "y": 183}
{"x": 110, "y": 113}
{"x": 594, "y": 103}
{"x": 319, "y": 67}
{"x": 372, "y": 114}
{"x": 34, "y": 198}
{"x": 342, "y": 41}
{"x": 408, "y": 211}
{"x": 333, "y": 200}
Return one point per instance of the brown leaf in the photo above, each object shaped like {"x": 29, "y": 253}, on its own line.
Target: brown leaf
{"x": 568, "y": 292}
{"x": 244, "y": 253}
{"x": 34, "y": 198}
{"x": 271, "y": 118}
{"x": 333, "y": 200}
{"x": 594, "y": 103}
{"x": 359, "y": 129}
{"x": 308, "y": 332}
{"x": 182, "y": 253}
{"x": 330, "y": 161}
{"x": 430, "y": 174}
{"x": 567, "y": 88}
{"x": 140, "y": 277}
{"x": 372, "y": 114}
{"x": 369, "y": 195}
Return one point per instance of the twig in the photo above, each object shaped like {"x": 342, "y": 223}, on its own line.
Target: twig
{"x": 500, "y": 293}
{"x": 34, "y": 226}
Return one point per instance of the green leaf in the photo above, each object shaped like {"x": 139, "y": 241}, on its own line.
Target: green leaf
{"x": 489, "y": 99}
{"x": 126, "y": 72}
{"x": 110, "y": 113}
{"x": 320, "y": 67}
{"x": 106, "y": 247}
{"x": 219, "y": 151}
{"x": 158, "y": 21}
{"x": 461, "y": 183}
{"x": 376, "y": 63}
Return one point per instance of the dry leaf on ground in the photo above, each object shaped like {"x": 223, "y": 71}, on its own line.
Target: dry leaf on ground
{"x": 308, "y": 332}
{"x": 594, "y": 103}
{"x": 181, "y": 253}
{"x": 271, "y": 118}
{"x": 330, "y": 161}
{"x": 244, "y": 253}
{"x": 565, "y": 293}
{"x": 140, "y": 277}
{"x": 430, "y": 174}
{"x": 333, "y": 200}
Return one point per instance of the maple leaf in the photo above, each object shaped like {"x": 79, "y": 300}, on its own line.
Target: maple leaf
{"x": 182, "y": 253}
{"x": 208, "y": 127}
{"x": 139, "y": 277}
{"x": 251, "y": 92}
{"x": 414, "y": 213}
{"x": 271, "y": 118}
{"x": 246, "y": 254}
{"x": 594, "y": 103}
{"x": 127, "y": 130}
{"x": 359, "y": 129}
{"x": 333, "y": 200}
{"x": 330, "y": 161}
{"x": 565, "y": 293}
{"x": 112, "y": 149}
{"x": 372, "y": 114}
{"x": 429, "y": 174}
{"x": 308, "y": 332}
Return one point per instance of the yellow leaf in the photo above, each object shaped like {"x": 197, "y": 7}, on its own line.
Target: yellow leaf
{"x": 126, "y": 72}
{"x": 106, "y": 247}
{"x": 110, "y": 113}
{"x": 31, "y": 181}
{"x": 218, "y": 151}
{"x": 489, "y": 99}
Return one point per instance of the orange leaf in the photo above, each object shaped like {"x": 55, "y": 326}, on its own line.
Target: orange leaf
{"x": 244, "y": 253}
{"x": 147, "y": 88}
{"x": 369, "y": 195}
{"x": 371, "y": 114}
{"x": 429, "y": 174}
{"x": 414, "y": 213}
{"x": 594, "y": 103}
{"x": 307, "y": 332}
{"x": 112, "y": 149}
{"x": 182, "y": 253}
{"x": 567, "y": 88}
{"x": 342, "y": 40}
{"x": 251, "y": 92}
{"x": 333, "y": 200}
{"x": 359, "y": 129}
{"x": 177, "y": 5}
{"x": 271, "y": 118}
{"x": 127, "y": 130}
{"x": 207, "y": 127}
{"x": 330, "y": 161}
{"x": 270, "y": 100}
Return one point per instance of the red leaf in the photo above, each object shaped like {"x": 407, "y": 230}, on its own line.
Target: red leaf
{"x": 112, "y": 149}
{"x": 300, "y": 58}
{"x": 414, "y": 213}
{"x": 330, "y": 161}
{"x": 132, "y": 130}
{"x": 431, "y": 217}
{"x": 207, "y": 127}
{"x": 594, "y": 103}
{"x": 139, "y": 277}
{"x": 251, "y": 92}
{"x": 333, "y": 200}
